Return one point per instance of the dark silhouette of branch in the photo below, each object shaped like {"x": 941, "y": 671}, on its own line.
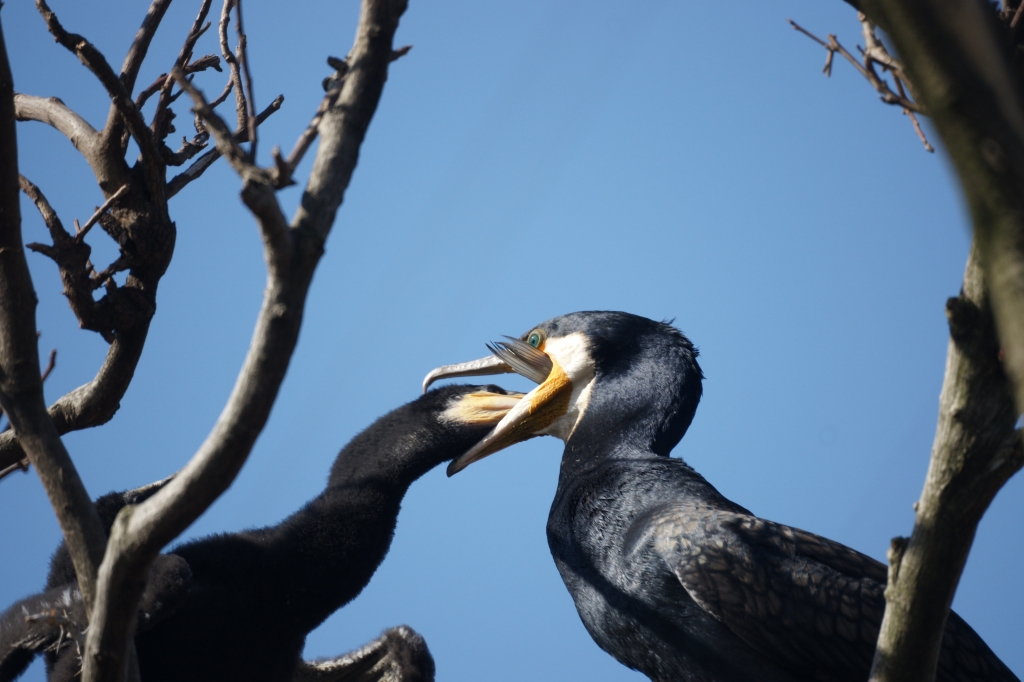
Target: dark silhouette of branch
{"x": 959, "y": 60}
{"x": 114, "y": 128}
{"x": 291, "y": 253}
{"x": 243, "y": 61}
{"x": 137, "y": 219}
{"x": 120, "y": 95}
{"x": 874, "y": 53}
{"x": 193, "y": 172}
{"x": 241, "y": 106}
{"x": 21, "y": 389}
{"x": 23, "y": 465}
{"x": 55, "y": 113}
{"x": 161, "y": 119}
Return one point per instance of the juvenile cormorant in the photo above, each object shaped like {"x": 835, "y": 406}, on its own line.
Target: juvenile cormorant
{"x": 668, "y": 576}
{"x": 238, "y": 606}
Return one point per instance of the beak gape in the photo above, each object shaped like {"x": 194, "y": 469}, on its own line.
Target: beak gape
{"x": 536, "y": 411}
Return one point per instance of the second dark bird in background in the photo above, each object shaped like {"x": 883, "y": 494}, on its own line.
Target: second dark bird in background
{"x": 238, "y": 606}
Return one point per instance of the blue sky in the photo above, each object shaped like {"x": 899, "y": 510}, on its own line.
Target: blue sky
{"x": 529, "y": 159}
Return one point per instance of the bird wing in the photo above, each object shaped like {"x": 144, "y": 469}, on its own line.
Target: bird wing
{"x": 812, "y": 605}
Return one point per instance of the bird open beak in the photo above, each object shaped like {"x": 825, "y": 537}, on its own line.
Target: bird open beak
{"x": 488, "y": 366}
{"x": 537, "y": 410}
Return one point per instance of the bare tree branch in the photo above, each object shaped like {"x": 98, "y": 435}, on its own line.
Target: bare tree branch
{"x": 345, "y": 124}
{"x": 291, "y": 254}
{"x": 50, "y": 365}
{"x": 21, "y": 390}
{"x": 241, "y": 108}
{"x": 138, "y": 222}
{"x": 285, "y": 168}
{"x": 71, "y": 256}
{"x": 91, "y": 404}
{"x": 140, "y": 46}
{"x": 94, "y": 60}
{"x": 132, "y": 63}
{"x": 53, "y": 112}
{"x": 975, "y": 452}
{"x": 23, "y": 465}
{"x": 80, "y": 232}
{"x": 226, "y": 143}
{"x": 160, "y": 120}
{"x": 178, "y": 182}
{"x": 956, "y": 56}
{"x": 243, "y": 52}
{"x": 867, "y": 69}
{"x": 874, "y": 53}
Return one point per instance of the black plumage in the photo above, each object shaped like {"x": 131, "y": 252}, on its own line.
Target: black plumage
{"x": 238, "y": 606}
{"x": 668, "y": 576}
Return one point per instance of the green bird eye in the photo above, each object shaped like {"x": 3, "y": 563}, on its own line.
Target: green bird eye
{"x": 534, "y": 339}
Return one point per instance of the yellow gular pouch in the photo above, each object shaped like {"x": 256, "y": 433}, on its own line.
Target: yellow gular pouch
{"x": 541, "y": 407}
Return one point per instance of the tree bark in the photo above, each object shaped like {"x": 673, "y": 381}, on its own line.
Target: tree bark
{"x": 291, "y": 253}
{"x": 21, "y": 389}
{"x": 958, "y": 58}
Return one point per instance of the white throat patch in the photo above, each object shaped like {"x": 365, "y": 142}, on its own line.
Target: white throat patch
{"x": 572, "y": 352}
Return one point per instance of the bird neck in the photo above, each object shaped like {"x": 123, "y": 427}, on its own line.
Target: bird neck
{"x": 633, "y": 415}
{"x": 328, "y": 550}
{"x": 390, "y": 455}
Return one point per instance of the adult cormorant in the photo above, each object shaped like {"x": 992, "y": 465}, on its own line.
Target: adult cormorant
{"x": 668, "y": 576}
{"x": 238, "y": 606}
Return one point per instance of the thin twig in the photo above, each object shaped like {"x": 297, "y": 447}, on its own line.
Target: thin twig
{"x": 285, "y": 168}
{"x": 810, "y": 35}
{"x": 217, "y": 101}
{"x": 184, "y": 57}
{"x": 302, "y": 145}
{"x": 1016, "y": 16}
{"x": 913, "y": 117}
{"x": 241, "y": 108}
{"x": 94, "y": 218}
{"x": 94, "y": 60}
{"x": 178, "y": 182}
{"x": 868, "y": 71}
{"x": 114, "y": 128}
{"x": 225, "y": 140}
{"x": 49, "y": 365}
{"x": 247, "y": 72}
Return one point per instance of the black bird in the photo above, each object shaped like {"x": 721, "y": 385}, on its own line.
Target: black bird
{"x": 238, "y": 606}
{"x": 668, "y": 576}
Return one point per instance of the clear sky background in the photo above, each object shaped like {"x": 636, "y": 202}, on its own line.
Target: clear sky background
{"x": 672, "y": 159}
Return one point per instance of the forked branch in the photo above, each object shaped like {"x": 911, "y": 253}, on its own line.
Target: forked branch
{"x": 121, "y": 97}
{"x": 137, "y": 219}
{"x": 21, "y": 389}
{"x": 292, "y": 253}
{"x": 956, "y": 56}
{"x": 874, "y": 54}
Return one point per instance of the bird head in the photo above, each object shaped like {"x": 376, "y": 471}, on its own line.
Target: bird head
{"x": 602, "y": 377}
